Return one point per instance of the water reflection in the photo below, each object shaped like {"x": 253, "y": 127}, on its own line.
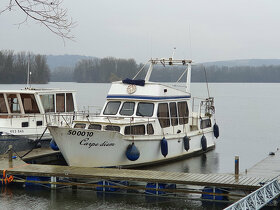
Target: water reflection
{"x": 204, "y": 163}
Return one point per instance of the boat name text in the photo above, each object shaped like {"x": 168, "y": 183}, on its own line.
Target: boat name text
{"x": 85, "y": 142}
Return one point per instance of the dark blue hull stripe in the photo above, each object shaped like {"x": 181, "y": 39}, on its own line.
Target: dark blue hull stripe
{"x": 148, "y": 97}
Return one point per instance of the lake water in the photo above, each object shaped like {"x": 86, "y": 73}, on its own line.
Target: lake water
{"x": 246, "y": 114}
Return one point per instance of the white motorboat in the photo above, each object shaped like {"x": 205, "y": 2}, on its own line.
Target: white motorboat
{"x": 142, "y": 122}
{"x": 24, "y": 115}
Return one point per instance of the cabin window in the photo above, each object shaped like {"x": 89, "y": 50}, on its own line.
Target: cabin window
{"x": 69, "y": 102}
{"x": 173, "y": 113}
{"x": 24, "y": 124}
{"x": 127, "y": 108}
{"x": 163, "y": 115}
{"x": 205, "y": 123}
{"x": 79, "y": 125}
{"x": 60, "y": 102}
{"x": 112, "y": 128}
{"x": 150, "y": 129}
{"x": 135, "y": 130}
{"x": 29, "y": 103}
{"x": 112, "y": 108}
{"x": 3, "y": 107}
{"x": 48, "y": 102}
{"x": 39, "y": 123}
{"x": 145, "y": 109}
{"x": 183, "y": 112}
{"x": 13, "y": 103}
{"x": 94, "y": 126}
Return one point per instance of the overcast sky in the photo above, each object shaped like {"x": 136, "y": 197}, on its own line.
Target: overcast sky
{"x": 200, "y": 30}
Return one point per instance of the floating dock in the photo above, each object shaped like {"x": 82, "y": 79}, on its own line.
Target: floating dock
{"x": 98, "y": 178}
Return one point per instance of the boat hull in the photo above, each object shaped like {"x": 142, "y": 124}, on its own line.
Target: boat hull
{"x": 87, "y": 148}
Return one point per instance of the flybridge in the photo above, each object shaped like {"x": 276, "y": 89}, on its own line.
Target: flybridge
{"x": 170, "y": 61}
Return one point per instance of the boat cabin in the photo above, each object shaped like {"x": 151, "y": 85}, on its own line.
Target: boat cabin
{"x": 151, "y": 109}
{"x": 36, "y": 101}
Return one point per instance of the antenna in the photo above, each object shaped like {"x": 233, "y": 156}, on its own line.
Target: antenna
{"x": 174, "y": 49}
{"x": 190, "y": 41}
{"x": 28, "y": 85}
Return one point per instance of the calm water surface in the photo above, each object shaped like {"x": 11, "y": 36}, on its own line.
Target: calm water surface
{"x": 246, "y": 115}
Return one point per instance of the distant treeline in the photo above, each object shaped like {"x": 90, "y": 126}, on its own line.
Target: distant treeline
{"x": 105, "y": 69}
{"x": 249, "y": 74}
{"x": 14, "y": 67}
{"x": 112, "y": 69}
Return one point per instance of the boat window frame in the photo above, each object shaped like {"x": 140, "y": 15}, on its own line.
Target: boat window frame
{"x": 117, "y": 110}
{"x": 123, "y": 104}
{"x": 205, "y": 123}
{"x": 173, "y": 119}
{"x": 57, "y": 102}
{"x": 112, "y": 128}
{"x": 143, "y": 115}
{"x": 183, "y": 119}
{"x": 94, "y": 126}
{"x": 70, "y": 107}
{"x": 19, "y": 103}
{"x": 164, "y": 121}
{"x": 135, "y": 130}
{"x": 3, "y": 103}
{"x": 34, "y": 104}
{"x": 80, "y": 125}
{"x": 53, "y": 104}
{"x": 150, "y": 129}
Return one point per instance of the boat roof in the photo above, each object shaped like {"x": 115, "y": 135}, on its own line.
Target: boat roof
{"x": 151, "y": 91}
{"x": 38, "y": 90}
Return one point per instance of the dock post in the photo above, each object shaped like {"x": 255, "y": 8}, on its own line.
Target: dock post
{"x": 236, "y": 164}
{"x": 10, "y": 152}
{"x": 53, "y": 179}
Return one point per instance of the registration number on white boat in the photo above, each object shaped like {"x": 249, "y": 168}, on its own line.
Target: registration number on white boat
{"x": 80, "y": 133}
{"x": 16, "y": 131}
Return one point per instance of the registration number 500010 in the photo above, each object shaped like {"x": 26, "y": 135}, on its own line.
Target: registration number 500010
{"x": 79, "y": 133}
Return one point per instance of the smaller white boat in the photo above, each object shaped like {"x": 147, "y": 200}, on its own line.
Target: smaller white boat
{"x": 141, "y": 123}
{"x": 24, "y": 115}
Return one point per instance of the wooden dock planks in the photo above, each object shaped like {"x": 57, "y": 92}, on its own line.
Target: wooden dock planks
{"x": 222, "y": 180}
{"x": 268, "y": 168}
{"x": 260, "y": 173}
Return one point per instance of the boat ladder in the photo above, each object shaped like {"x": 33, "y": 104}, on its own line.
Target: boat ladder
{"x": 259, "y": 198}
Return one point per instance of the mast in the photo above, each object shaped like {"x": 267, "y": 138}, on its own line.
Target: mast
{"x": 188, "y": 82}
{"x": 28, "y": 85}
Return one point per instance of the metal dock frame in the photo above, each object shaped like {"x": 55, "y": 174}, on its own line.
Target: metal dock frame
{"x": 259, "y": 198}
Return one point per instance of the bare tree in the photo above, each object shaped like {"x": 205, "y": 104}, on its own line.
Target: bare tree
{"x": 50, "y": 13}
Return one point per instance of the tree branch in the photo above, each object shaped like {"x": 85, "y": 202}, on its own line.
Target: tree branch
{"x": 50, "y": 13}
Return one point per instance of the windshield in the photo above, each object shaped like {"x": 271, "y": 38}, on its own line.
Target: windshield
{"x": 127, "y": 108}
{"x": 145, "y": 109}
{"x": 112, "y": 108}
